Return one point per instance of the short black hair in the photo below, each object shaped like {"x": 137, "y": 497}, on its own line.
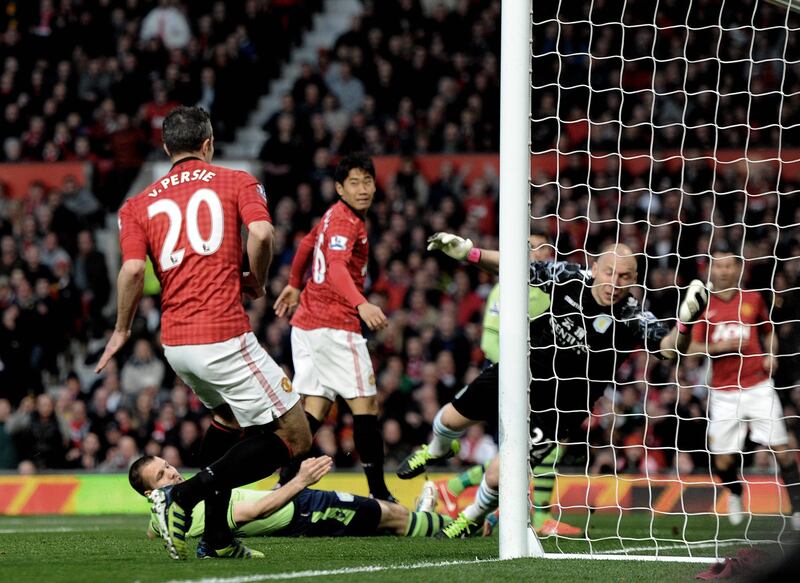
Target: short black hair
{"x": 355, "y": 160}
{"x": 724, "y": 249}
{"x": 135, "y": 473}
{"x": 185, "y": 129}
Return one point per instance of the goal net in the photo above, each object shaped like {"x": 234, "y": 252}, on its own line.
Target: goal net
{"x": 672, "y": 127}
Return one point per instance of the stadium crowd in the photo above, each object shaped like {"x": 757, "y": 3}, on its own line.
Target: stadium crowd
{"x": 408, "y": 78}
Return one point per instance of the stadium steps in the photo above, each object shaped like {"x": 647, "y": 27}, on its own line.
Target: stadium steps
{"x": 328, "y": 25}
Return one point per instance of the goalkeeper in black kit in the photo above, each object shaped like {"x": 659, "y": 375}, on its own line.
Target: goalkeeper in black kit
{"x": 590, "y": 329}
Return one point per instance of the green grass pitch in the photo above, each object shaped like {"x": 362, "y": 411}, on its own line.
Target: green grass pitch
{"x": 86, "y": 549}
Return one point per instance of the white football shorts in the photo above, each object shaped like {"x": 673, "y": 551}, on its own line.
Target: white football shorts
{"x": 330, "y": 362}
{"x": 239, "y": 372}
{"x": 732, "y": 413}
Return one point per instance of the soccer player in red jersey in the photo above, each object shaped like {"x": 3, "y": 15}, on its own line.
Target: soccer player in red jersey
{"x": 189, "y": 222}
{"x": 736, "y": 334}
{"x": 329, "y": 353}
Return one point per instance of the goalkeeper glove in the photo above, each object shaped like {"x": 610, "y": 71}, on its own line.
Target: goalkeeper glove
{"x": 449, "y": 244}
{"x": 694, "y": 302}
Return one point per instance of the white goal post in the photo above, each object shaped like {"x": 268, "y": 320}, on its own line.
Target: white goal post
{"x": 654, "y": 145}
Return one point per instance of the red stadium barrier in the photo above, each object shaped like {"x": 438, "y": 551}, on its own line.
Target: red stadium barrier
{"x": 17, "y": 178}
{"x": 635, "y": 162}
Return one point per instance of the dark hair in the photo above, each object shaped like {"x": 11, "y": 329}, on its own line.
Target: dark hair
{"x": 540, "y": 232}
{"x": 356, "y": 160}
{"x": 724, "y": 249}
{"x": 135, "y": 473}
{"x": 185, "y": 129}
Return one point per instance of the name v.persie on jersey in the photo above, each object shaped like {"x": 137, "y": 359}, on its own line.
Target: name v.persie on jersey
{"x": 200, "y": 174}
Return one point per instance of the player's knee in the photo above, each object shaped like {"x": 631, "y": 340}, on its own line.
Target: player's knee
{"x": 723, "y": 462}
{"x": 493, "y": 472}
{"x": 784, "y": 457}
{"x": 300, "y": 441}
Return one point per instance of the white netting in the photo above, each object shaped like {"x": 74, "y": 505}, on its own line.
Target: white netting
{"x": 672, "y": 126}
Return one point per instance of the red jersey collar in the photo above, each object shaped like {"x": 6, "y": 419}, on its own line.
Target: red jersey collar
{"x": 360, "y": 216}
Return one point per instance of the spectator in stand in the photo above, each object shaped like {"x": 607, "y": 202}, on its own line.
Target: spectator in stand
{"x": 142, "y": 369}
{"x": 91, "y": 275}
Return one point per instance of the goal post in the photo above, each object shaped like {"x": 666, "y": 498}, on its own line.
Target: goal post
{"x": 516, "y": 537}
{"x": 669, "y": 126}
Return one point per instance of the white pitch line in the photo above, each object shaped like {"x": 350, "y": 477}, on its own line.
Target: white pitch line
{"x": 330, "y": 572}
{"x": 671, "y": 547}
{"x": 54, "y": 529}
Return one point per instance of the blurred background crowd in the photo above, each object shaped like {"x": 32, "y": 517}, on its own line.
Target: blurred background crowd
{"x": 410, "y": 78}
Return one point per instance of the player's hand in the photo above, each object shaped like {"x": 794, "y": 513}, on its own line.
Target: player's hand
{"x": 117, "y": 341}
{"x": 770, "y": 363}
{"x": 287, "y": 301}
{"x": 694, "y": 302}
{"x": 373, "y": 316}
{"x": 250, "y": 286}
{"x": 312, "y": 469}
{"x": 449, "y": 244}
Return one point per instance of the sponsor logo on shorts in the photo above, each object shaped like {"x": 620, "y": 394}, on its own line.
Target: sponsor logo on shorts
{"x": 338, "y": 243}
{"x": 286, "y": 385}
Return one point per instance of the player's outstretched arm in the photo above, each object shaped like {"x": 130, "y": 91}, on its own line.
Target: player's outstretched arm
{"x": 464, "y": 250}
{"x": 310, "y": 472}
{"x": 679, "y": 340}
{"x": 130, "y": 283}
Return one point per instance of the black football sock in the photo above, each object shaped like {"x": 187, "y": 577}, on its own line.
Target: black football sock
{"x": 791, "y": 479}
{"x": 250, "y": 460}
{"x": 216, "y": 443}
{"x": 369, "y": 443}
{"x": 290, "y": 470}
{"x": 730, "y": 480}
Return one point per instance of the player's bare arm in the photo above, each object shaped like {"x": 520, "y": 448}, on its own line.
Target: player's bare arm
{"x": 770, "y": 362}
{"x": 130, "y": 283}
{"x": 259, "y": 250}
{"x": 311, "y": 471}
{"x": 289, "y": 298}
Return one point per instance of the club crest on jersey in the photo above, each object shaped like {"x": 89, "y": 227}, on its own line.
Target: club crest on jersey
{"x": 338, "y": 243}
{"x": 602, "y": 323}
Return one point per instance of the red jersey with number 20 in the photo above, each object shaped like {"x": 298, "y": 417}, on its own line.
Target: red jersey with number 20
{"x": 743, "y": 317}
{"x": 340, "y": 236}
{"x": 189, "y": 222}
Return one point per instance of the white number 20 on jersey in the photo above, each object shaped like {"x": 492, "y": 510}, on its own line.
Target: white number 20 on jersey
{"x": 171, "y": 257}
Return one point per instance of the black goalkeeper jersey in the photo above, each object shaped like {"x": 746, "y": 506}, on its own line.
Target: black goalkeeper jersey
{"x": 578, "y": 341}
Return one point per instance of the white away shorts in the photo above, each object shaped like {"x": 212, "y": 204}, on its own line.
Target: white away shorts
{"x": 732, "y": 413}
{"x": 330, "y": 362}
{"x": 238, "y": 372}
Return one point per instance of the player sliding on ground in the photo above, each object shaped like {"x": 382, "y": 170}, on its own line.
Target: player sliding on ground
{"x": 591, "y": 328}
{"x": 295, "y": 510}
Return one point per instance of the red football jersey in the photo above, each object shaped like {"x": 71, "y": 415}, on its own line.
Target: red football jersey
{"x": 341, "y": 235}
{"x": 743, "y": 317}
{"x": 189, "y": 222}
